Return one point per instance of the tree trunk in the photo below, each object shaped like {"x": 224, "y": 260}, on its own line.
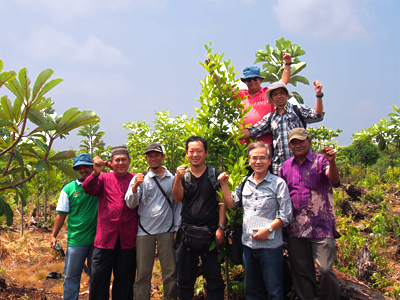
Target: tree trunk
{"x": 228, "y": 282}
{"x": 45, "y": 204}
{"x": 22, "y": 217}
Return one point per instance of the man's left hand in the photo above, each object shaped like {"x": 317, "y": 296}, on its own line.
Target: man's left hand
{"x": 262, "y": 233}
{"x": 220, "y": 234}
{"x": 329, "y": 153}
{"x": 318, "y": 87}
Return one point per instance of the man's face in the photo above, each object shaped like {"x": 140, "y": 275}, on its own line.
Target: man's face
{"x": 120, "y": 164}
{"x": 259, "y": 160}
{"x": 196, "y": 153}
{"x": 253, "y": 84}
{"x": 84, "y": 170}
{"x": 300, "y": 147}
{"x": 279, "y": 97}
{"x": 154, "y": 159}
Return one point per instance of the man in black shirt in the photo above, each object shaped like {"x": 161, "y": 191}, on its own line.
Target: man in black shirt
{"x": 203, "y": 221}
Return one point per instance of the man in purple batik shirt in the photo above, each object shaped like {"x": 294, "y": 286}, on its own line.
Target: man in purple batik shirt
{"x": 312, "y": 232}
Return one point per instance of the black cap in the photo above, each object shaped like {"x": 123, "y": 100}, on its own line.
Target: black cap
{"x": 154, "y": 147}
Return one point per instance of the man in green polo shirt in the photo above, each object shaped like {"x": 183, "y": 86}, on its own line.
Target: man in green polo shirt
{"x": 81, "y": 209}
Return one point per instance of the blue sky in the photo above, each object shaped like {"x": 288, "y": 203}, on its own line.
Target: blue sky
{"x": 127, "y": 59}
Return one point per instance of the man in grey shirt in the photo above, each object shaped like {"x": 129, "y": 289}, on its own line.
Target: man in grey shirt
{"x": 159, "y": 219}
{"x": 266, "y": 208}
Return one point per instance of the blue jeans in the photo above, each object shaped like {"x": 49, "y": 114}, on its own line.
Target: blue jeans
{"x": 263, "y": 266}
{"x": 73, "y": 266}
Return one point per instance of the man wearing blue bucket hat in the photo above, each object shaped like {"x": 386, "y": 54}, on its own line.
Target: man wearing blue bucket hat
{"x": 81, "y": 209}
{"x": 256, "y": 95}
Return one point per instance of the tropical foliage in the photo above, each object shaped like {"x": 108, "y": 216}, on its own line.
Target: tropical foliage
{"x": 26, "y": 152}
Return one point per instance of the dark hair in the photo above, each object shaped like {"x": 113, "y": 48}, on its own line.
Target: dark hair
{"x": 195, "y": 138}
{"x": 281, "y": 87}
{"x": 259, "y": 144}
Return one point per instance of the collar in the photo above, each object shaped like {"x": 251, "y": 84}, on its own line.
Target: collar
{"x": 78, "y": 182}
{"x": 267, "y": 178}
{"x": 152, "y": 174}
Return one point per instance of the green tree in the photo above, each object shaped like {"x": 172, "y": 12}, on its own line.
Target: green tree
{"x": 169, "y": 131}
{"x": 323, "y": 137}
{"x": 93, "y": 141}
{"x": 272, "y": 68}
{"x": 387, "y": 134}
{"x": 27, "y": 151}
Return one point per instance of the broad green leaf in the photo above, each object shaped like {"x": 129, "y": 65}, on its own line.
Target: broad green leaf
{"x": 25, "y": 81}
{"x": 296, "y": 68}
{"x": 68, "y": 116}
{"x": 40, "y": 81}
{"x": 14, "y": 86}
{"x": 1, "y": 65}
{"x": 48, "y": 86}
{"x": 40, "y": 165}
{"x": 300, "y": 78}
{"x": 27, "y": 150}
{"x": 269, "y": 77}
{"x": 5, "y": 123}
{"x": 6, "y": 76}
{"x": 48, "y": 126}
{"x": 51, "y": 173}
{"x": 18, "y": 157}
{"x": 9, "y": 214}
{"x": 36, "y": 117}
{"x": 16, "y": 170}
{"x": 66, "y": 169}
{"x": 298, "y": 97}
{"x": 42, "y": 105}
{"x": 17, "y": 109}
{"x": 85, "y": 117}
{"x": 63, "y": 155}
{"x": 7, "y": 108}
{"x": 41, "y": 145}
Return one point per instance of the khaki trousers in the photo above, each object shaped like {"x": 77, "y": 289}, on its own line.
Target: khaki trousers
{"x": 145, "y": 251}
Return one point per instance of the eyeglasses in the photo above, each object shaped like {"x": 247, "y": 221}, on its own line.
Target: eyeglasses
{"x": 251, "y": 79}
{"x": 258, "y": 158}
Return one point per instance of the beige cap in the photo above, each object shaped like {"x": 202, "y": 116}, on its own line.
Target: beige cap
{"x": 274, "y": 86}
{"x": 298, "y": 133}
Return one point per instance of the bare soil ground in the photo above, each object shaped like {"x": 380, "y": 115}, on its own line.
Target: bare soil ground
{"x": 26, "y": 260}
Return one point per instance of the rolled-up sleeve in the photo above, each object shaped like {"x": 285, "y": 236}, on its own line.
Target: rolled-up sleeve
{"x": 261, "y": 127}
{"x": 310, "y": 115}
{"x": 285, "y": 205}
{"x": 133, "y": 199}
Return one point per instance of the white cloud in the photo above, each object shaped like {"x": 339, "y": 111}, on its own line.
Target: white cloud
{"x": 64, "y": 10}
{"x": 316, "y": 19}
{"x": 47, "y": 43}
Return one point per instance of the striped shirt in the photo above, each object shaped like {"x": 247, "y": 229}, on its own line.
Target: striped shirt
{"x": 280, "y": 126}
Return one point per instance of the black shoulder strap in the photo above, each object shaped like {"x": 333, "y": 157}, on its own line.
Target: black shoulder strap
{"x": 299, "y": 115}
{"x": 213, "y": 178}
{"x": 237, "y": 210}
{"x": 166, "y": 198}
{"x": 187, "y": 181}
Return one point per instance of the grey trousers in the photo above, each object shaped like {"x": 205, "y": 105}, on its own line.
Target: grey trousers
{"x": 302, "y": 252}
{"x": 145, "y": 250}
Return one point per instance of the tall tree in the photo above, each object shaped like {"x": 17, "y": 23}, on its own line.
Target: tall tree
{"x": 93, "y": 141}
{"x": 27, "y": 152}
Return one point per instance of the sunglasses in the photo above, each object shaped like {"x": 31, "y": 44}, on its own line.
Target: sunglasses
{"x": 250, "y": 79}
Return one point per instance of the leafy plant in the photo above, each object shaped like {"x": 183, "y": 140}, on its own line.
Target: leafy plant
{"x": 27, "y": 152}
{"x": 273, "y": 66}
{"x": 93, "y": 141}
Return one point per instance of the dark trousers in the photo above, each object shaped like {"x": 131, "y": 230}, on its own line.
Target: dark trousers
{"x": 187, "y": 273}
{"x": 122, "y": 263}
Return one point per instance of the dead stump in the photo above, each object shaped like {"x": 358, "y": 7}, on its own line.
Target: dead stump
{"x": 365, "y": 265}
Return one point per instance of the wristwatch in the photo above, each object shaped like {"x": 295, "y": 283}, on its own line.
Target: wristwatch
{"x": 221, "y": 226}
{"x": 270, "y": 229}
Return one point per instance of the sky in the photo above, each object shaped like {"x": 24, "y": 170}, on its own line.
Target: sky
{"x": 126, "y": 59}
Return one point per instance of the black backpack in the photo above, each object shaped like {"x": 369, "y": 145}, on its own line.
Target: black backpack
{"x": 211, "y": 176}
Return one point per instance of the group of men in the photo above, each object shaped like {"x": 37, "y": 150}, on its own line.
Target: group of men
{"x": 117, "y": 219}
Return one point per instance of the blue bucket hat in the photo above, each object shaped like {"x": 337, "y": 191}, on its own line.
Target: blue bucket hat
{"x": 251, "y": 72}
{"x": 82, "y": 159}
